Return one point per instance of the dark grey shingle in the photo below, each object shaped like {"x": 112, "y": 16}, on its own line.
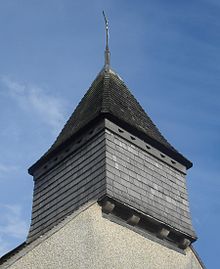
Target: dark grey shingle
{"x": 109, "y": 97}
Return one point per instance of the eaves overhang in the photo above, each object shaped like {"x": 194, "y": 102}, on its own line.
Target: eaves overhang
{"x": 147, "y": 138}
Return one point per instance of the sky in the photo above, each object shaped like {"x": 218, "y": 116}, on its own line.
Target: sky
{"x": 168, "y": 54}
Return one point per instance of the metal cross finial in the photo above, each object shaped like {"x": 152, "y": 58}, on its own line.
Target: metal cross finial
{"x": 106, "y": 29}
{"x": 107, "y": 52}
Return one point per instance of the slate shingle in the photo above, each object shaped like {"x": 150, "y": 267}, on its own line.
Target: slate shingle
{"x": 109, "y": 97}
{"x": 149, "y": 188}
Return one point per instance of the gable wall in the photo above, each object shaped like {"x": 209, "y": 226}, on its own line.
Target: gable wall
{"x": 88, "y": 240}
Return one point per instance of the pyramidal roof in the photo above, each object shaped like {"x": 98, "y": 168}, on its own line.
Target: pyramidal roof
{"x": 109, "y": 97}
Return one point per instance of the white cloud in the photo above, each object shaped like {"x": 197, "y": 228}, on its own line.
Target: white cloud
{"x": 13, "y": 228}
{"x": 4, "y": 168}
{"x": 12, "y": 224}
{"x": 7, "y": 169}
{"x": 33, "y": 99}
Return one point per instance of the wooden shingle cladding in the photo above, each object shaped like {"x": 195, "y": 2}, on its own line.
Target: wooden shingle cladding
{"x": 59, "y": 191}
{"x": 106, "y": 162}
{"x": 141, "y": 181}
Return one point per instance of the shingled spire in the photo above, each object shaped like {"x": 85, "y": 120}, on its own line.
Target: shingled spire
{"x": 110, "y": 151}
{"x": 109, "y": 97}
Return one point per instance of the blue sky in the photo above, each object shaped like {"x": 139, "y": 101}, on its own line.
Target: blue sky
{"x": 167, "y": 52}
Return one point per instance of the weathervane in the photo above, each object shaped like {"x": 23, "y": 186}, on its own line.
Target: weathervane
{"x": 107, "y": 52}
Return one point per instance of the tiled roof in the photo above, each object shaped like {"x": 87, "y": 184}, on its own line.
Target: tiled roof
{"x": 109, "y": 97}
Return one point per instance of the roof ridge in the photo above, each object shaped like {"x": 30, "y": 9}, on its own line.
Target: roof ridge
{"x": 105, "y": 93}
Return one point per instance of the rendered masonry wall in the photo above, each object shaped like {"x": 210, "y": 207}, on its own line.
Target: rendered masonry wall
{"x": 91, "y": 241}
{"x": 76, "y": 180}
{"x": 140, "y": 180}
